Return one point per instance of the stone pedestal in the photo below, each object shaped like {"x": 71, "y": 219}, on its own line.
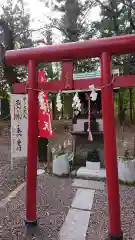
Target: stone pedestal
{"x": 82, "y": 145}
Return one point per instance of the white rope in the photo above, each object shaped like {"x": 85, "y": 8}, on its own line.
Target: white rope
{"x": 90, "y": 137}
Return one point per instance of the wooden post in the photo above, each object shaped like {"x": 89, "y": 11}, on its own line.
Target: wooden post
{"x": 110, "y": 149}
{"x": 31, "y": 180}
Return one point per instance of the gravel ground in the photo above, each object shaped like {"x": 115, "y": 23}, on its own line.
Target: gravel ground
{"x": 98, "y": 225}
{"x": 9, "y": 179}
{"x": 54, "y": 197}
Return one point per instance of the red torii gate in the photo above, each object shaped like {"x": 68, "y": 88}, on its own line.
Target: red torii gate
{"x": 67, "y": 53}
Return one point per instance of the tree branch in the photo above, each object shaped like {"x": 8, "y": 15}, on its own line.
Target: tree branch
{"x": 103, "y": 5}
{"x": 132, "y": 25}
{"x": 128, "y": 3}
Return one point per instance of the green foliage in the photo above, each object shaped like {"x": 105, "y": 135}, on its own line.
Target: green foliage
{"x": 73, "y": 24}
{"x": 52, "y": 70}
{"x": 18, "y": 20}
{"x": 118, "y": 18}
{"x": 127, "y": 155}
{"x": 86, "y": 65}
{"x": 75, "y": 27}
{"x": 4, "y": 94}
{"x": 130, "y": 184}
{"x": 68, "y": 23}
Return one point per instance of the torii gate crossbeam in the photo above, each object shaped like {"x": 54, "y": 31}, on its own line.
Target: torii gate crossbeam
{"x": 103, "y": 48}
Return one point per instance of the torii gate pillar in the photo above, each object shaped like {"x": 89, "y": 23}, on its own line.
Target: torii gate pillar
{"x": 110, "y": 148}
{"x": 32, "y": 152}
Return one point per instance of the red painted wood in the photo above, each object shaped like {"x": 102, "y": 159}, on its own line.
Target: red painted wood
{"x": 67, "y": 75}
{"x": 124, "y": 81}
{"x": 83, "y": 49}
{"x": 55, "y": 86}
{"x": 110, "y": 147}
{"x": 32, "y": 143}
{"x": 19, "y": 88}
{"x": 82, "y": 84}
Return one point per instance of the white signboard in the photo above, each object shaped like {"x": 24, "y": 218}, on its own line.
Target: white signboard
{"x": 95, "y": 74}
{"x": 19, "y": 125}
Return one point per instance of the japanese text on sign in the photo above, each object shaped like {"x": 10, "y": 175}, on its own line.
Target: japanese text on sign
{"x": 19, "y": 125}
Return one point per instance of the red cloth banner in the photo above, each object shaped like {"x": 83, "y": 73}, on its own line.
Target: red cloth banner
{"x": 45, "y": 118}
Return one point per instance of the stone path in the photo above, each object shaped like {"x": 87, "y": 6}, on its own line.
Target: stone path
{"x": 83, "y": 199}
{"x": 75, "y": 226}
{"x": 86, "y": 173}
{"x": 96, "y": 185}
{"x": 77, "y": 220}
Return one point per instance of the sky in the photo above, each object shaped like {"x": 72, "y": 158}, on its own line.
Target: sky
{"x": 39, "y": 15}
{"x": 37, "y": 11}
{"x": 36, "y": 4}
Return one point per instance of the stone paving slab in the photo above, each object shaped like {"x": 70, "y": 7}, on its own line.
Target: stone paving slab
{"x": 75, "y": 225}
{"x": 81, "y": 183}
{"x": 83, "y": 199}
{"x": 83, "y": 172}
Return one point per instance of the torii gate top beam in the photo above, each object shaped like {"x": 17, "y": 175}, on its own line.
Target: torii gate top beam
{"x": 78, "y": 50}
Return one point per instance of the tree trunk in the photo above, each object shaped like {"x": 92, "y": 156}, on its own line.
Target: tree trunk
{"x": 42, "y": 149}
{"x": 53, "y": 109}
{"x": 131, "y": 104}
{"x": 121, "y": 109}
{"x": 119, "y": 106}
